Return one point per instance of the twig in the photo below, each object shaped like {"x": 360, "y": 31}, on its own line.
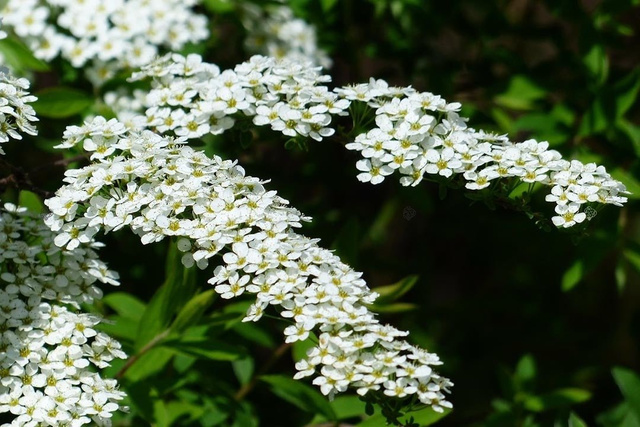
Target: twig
{"x": 21, "y": 179}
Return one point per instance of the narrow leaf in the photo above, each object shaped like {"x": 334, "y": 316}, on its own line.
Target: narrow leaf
{"x": 576, "y": 421}
{"x": 193, "y": 311}
{"x": 393, "y": 292}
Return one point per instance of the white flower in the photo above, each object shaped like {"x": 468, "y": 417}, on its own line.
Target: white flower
{"x": 50, "y": 345}
{"x": 442, "y": 162}
{"x": 568, "y": 215}
{"x": 373, "y": 170}
{"x": 116, "y": 35}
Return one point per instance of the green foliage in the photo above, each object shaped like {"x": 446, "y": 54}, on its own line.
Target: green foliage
{"x": 523, "y": 404}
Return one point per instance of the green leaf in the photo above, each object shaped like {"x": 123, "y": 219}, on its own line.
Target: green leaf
{"x": 157, "y": 315}
{"x": 160, "y": 414}
{"x": 618, "y": 416}
{"x": 633, "y": 258}
{"x": 576, "y": 421}
{"x": 520, "y": 94}
{"x": 597, "y": 63}
{"x": 526, "y": 372}
{"x": 596, "y": 119}
{"x": 629, "y": 384}
{"x": 573, "y": 275}
{"x": 621, "y": 275}
{"x": 630, "y": 420}
{"x": 299, "y": 348}
{"x": 126, "y": 305}
{"x": 243, "y": 368}
{"x": 504, "y": 121}
{"x": 396, "y": 307}
{"x": 205, "y": 348}
{"x": 632, "y": 131}
{"x": 176, "y": 410}
{"x": 327, "y": 5}
{"x": 626, "y": 91}
{"x": 393, "y": 292}
{"x": 561, "y": 398}
{"x": 219, "y": 6}
{"x": 31, "y": 201}
{"x": 61, "y": 102}
{"x": 174, "y": 292}
{"x": 19, "y": 57}
{"x": 300, "y": 395}
{"x": 141, "y": 399}
{"x": 120, "y": 327}
{"x": 193, "y": 311}
{"x": 150, "y": 363}
{"x": 255, "y": 333}
{"x": 244, "y": 417}
{"x": 347, "y": 407}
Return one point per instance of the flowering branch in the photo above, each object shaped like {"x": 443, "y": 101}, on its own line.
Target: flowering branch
{"x": 397, "y": 129}
{"x": 158, "y": 187}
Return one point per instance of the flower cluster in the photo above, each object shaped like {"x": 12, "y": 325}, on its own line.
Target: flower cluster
{"x": 419, "y": 133}
{"x": 415, "y": 133}
{"x": 15, "y": 112}
{"x": 48, "y": 347}
{"x": 159, "y": 187}
{"x": 107, "y": 35}
{"x": 192, "y": 98}
{"x": 275, "y": 31}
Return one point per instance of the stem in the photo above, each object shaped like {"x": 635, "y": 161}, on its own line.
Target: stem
{"x": 247, "y": 388}
{"x": 133, "y": 359}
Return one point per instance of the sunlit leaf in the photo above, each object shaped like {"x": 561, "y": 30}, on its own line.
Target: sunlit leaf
{"x": 19, "y": 57}
{"x": 31, "y": 201}
{"x": 520, "y": 94}
{"x": 126, "y": 305}
{"x": 61, "y": 102}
